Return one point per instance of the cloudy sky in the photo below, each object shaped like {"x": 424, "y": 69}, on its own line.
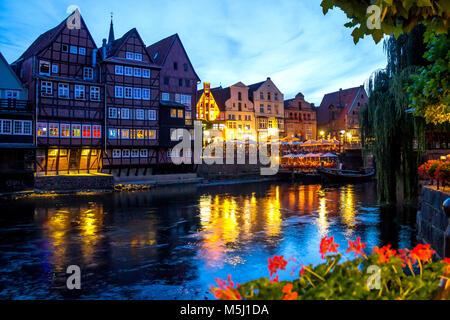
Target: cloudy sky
{"x": 228, "y": 41}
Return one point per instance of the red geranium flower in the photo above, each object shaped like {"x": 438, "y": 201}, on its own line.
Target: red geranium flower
{"x": 447, "y": 267}
{"x": 276, "y": 263}
{"x": 385, "y": 253}
{"x": 405, "y": 257}
{"x": 327, "y": 245}
{"x": 357, "y": 247}
{"x": 288, "y": 291}
{"x": 421, "y": 252}
{"x": 226, "y": 290}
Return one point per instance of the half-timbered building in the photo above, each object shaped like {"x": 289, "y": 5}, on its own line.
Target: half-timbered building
{"x": 131, "y": 80}
{"x": 178, "y": 83}
{"x": 61, "y": 71}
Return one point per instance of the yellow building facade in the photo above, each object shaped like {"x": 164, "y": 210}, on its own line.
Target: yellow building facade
{"x": 268, "y": 102}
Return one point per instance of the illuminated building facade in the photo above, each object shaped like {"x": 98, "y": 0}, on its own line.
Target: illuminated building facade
{"x": 338, "y": 113}
{"x": 178, "y": 84}
{"x": 300, "y": 118}
{"x": 132, "y": 100}
{"x": 207, "y": 108}
{"x": 238, "y": 112}
{"x": 268, "y": 103}
{"x": 61, "y": 72}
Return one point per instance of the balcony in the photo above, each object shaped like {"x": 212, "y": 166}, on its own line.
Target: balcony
{"x": 14, "y": 105}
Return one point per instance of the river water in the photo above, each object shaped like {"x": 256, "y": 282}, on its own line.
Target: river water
{"x": 171, "y": 243}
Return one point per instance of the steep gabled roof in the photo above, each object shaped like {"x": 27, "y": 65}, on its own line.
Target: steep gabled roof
{"x": 342, "y": 99}
{"x": 253, "y": 87}
{"x": 11, "y": 71}
{"x": 117, "y": 44}
{"x": 221, "y": 96}
{"x": 46, "y": 39}
{"x": 43, "y": 41}
{"x": 159, "y": 51}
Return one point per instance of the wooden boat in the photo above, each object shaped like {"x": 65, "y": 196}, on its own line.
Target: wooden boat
{"x": 345, "y": 176}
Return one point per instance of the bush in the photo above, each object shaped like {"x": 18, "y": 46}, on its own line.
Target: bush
{"x": 385, "y": 274}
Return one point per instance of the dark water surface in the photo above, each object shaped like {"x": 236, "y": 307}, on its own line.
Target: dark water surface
{"x": 171, "y": 243}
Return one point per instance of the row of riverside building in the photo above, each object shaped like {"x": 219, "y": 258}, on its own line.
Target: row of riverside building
{"x": 70, "y": 107}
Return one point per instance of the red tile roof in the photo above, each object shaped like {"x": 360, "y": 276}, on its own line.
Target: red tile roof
{"x": 342, "y": 98}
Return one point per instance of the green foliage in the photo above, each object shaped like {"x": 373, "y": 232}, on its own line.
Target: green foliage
{"x": 430, "y": 90}
{"x": 385, "y": 119}
{"x": 397, "y": 16}
{"x": 349, "y": 281}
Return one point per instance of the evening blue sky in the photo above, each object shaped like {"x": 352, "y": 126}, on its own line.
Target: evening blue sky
{"x": 228, "y": 41}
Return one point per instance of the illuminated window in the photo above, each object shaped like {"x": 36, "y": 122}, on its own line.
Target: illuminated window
{"x": 137, "y": 72}
{"x": 145, "y": 73}
{"x": 42, "y": 129}
{"x": 151, "y": 114}
{"x": 173, "y": 113}
{"x": 165, "y": 96}
{"x": 128, "y": 71}
{"x": 112, "y": 133}
{"x": 125, "y": 134}
{"x": 86, "y": 131}
{"x": 12, "y": 94}
{"x": 125, "y": 113}
{"x": 138, "y": 56}
{"x": 27, "y": 128}
{"x": 130, "y": 55}
{"x": 125, "y": 153}
{"x": 143, "y": 153}
{"x": 18, "y": 127}
{"x": 55, "y": 69}
{"x": 97, "y": 131}
{"x": 186, "y": 99}
{"x": 88, "y": 73}
{"x": 139, "y": 134}
{"x": 63, "y": 91}
{"x": 65, "y": 130}
{"x": 135, "y": 153}
{"x": 112, "y": 113}
{"x": 76, "y": 131}
{"x": 137, "y": 93}
{"x": 95, "y": 93}
{"x": 44, "y": 68}
{"x": 188, "y": 115}
{"x": 53, "y": 130}
{"x": 119, "y": 70}
{"x": 140, "y": 114}
{"x": 117, "y": 153}
{"x": 46, "y": 88}
{"x": 79, "y": 92}
{"x": 128, "y": 93}
{"x": 74, "y": 49}
{"x": 119, "y": 92}
{"x": 146, "y": 94}
{"x": 152, "y": 134}
{"x": 82, "y": 51}
{"x": 180, "y": 114}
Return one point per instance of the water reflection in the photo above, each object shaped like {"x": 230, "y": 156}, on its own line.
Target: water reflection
{"x": 172, "y": 243}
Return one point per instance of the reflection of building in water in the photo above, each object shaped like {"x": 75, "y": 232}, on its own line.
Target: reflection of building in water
{"x": 58, "y": 229}
{"x": 227, "y": 220}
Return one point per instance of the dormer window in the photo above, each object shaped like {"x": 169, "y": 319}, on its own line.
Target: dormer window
{"x": 44, "y": 68}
